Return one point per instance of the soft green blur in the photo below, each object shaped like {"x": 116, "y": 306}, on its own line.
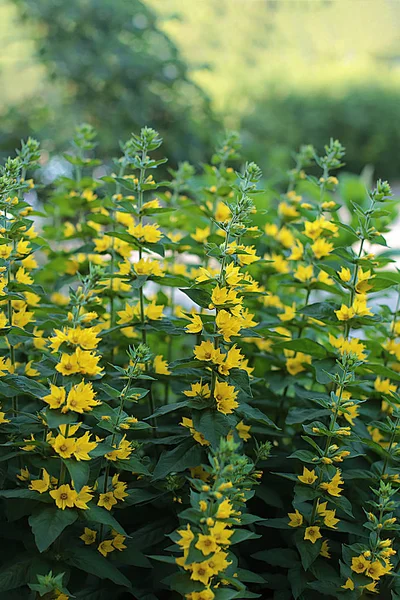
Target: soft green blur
{"x": 283, "y": 72}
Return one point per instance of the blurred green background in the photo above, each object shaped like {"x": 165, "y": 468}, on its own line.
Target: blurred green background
{"x": 282, "y": 72}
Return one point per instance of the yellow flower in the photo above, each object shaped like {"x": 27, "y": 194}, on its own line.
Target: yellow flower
{"x": 197, "y": 436}
{"x": 323, "y": 277}
{"x": 221, "y": 533}
{"x": 217, "y": 562}
{"x": 223, "y": 295}
{"x": 146, "y": 233}
{"x": 41, "y": 485}
{"x": 271, "y": 229}
{"x": 297, "y": 250}
{"x": 344, "y": 313}
{"x": 330, "y": 519}
{"x": 160, "y": 365}
{"x": 80, "y": 398}
{"x": 119, "y": 488}
{"x": 107, "y": 500}
{"x": 349, "y": 585}
{"x": 308, "y": 477}
{"x": 360, "y": 307}
{"x": 325, "y": 549}
{"x": 362, "y": 285}
{"x": 288, "y": 211}
{"x": 206, "y": 352}
{"x": 345, "y": 274}
{"x": 352, "y": 345}
{"x": 88, "y": 536}
{"x": 22, "y": 317}
{"x": 5, "y": 251}
{"x": 279, "y": 263}
{"x": 303, "y": 273}
{"x": 22, "y": 277}
{"x": 201, "y": 572}
{"x": 105, "y": 547}
{"x": 123, "y": 451}
{"x": 243, "y": 431}
{"x": 225, "y": 510}
{"x": 131, "y": 313}
{"x": 295, "y": 364}
{"x": 384, "y": 386}
{"x": 289, "y": 313}
{"x": 332, "y": 487}
{"x": 222, "y": 212}
{"x": 321, "y": 248}
{"x": 312, "y": 534}
{"x": 296, "y": 519}
{"x": 64, "y": 496}
{"x": 198, "y": 390}
{"x": 228, "y": 325}
{"x": 146, "y": 266}
{"x": 102, "y": 244}
{"x": 83, "y": 445}
{"x": 154, "y": 311}
{"x": 187, "y": 536}
{"x": 359, "y": 564}
{"x": 24, "y": 474}
{"x": 225, "y": 396}
{"x": 68, "y": 364}
{"x": 196, "y": 324}
{"x": 375, "y": 570}
{"x": 201, "y": 235}
{"x": 232, "y": 275}
{"x": 206, "y": 544}
{"x": 313, "y": 229}
{"x": 118, "y": 542}
{"x": 64, "y": 446}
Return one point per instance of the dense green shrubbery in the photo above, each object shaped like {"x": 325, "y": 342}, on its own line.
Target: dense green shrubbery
{"x": 198, "y": 379}
{"x": 365, "y": 117}
{"x": 110, "y": 64}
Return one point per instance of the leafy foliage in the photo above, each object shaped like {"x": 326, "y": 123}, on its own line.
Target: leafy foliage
{"x": 189, "y": 365}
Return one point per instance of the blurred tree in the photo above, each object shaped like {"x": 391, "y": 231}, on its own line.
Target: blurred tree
{"x": 117, "y": 70}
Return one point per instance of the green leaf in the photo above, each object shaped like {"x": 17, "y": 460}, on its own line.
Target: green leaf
{"x": 303, "y": 345}
{"x": 278, "y": 557}
{"x": 27, "y": 494}
{"x": 301, "y": 415}
{"x": 254, "y": 414}
{"x": 167, "y": 408}
{"x": 323, "y": 311}
{"x": 15, "y": 575}
{"x": 212, "y": 424}
{"x": 79, "y": 471}
{"x": 93, "y": 562}
{"x": 240, "y": 379}
{"x": 97, "y": 514}
{"x": 29, "y": 386}
{"x": 309, "y": 552}
{"x": 198, "y": 295}
{"x": 186, "y": 455}
{"x": 48, "y": 523}
{"x": 133, "y": 464}
{"x": 55, "y": 418}
{"x": 240, "y": 535}
{"x": 298, "y": 581}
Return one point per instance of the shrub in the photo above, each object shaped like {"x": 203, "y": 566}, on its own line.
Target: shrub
{"x": 365, "y": 117}
{"x": 198, "y": 400}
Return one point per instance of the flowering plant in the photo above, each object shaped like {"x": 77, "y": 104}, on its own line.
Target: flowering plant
{"x": 168, "y": 346}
